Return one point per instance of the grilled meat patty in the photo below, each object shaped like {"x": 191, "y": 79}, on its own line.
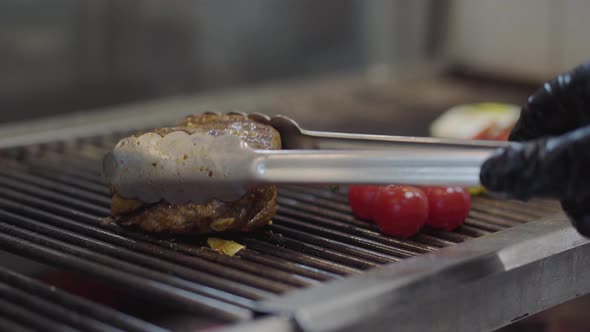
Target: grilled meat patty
{"x": 256, "y": 208}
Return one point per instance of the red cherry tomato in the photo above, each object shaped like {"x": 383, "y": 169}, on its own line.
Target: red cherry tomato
{"x": 448, "y": 206}
{"x": 486, "y": 133}
{"x": 400, "y": 210}
{"x": 494, "y": 133}
{"x": 504, "y": 134}
{"x": 360, "y": 199}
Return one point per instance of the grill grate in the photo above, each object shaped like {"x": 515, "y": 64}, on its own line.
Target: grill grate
{"x": 52, "y": 209}
{"x": 29, "y": 304}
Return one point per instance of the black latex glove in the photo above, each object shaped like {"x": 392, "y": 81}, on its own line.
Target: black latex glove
{"x": 553, "y": 158}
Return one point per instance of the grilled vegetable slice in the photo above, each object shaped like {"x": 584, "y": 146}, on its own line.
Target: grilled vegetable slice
{"x": 469, "y": 121}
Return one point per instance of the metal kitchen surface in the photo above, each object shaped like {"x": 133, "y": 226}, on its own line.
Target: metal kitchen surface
{"x": 315, "y": 268}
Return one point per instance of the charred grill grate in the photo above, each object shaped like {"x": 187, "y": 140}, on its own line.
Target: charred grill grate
{"x": 28, "y": 304}
{"x": 52, "y": 209}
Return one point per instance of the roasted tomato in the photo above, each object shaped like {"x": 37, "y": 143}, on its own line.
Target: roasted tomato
{"x": 360, "y": 199}
{"x": 494, "y": 133}
{"x": 448, "y": 206}
{"x": 400, "y": 210}
{"x": 504, "y": 134}
{"x": 486, "y": 134}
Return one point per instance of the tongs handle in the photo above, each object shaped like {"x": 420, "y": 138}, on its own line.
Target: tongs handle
{"x": 296, "y": 138}
{"x": 344, "y": 141}
{"x": 359, "y": 158}
{"x": 181, "y": 167}
{"x": 435, "y": 167}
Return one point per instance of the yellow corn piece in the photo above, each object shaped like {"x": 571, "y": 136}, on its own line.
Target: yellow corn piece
{"x": 221, "y": 225}
{"x": 226, "y": 247}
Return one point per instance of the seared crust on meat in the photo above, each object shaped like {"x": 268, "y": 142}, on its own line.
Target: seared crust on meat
{"x": 256, "y": 208}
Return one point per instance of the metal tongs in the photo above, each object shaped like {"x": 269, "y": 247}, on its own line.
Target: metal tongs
{"x": 181, "y": 167}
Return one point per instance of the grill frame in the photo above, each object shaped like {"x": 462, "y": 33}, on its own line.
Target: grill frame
{"x": 506, "y": 262}
{"x": 511, "y": 275}
{"x": 487, "y": 283}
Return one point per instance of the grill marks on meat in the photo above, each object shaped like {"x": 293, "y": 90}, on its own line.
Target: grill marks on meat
{"x": 255, "y": 209}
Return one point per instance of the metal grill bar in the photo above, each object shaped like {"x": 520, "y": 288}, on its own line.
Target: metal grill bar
{"x": 285, "y": 265}
{"x": 130, "y": 256}
{"x": 261, "y": 270}
{"x": 21, "y": 221}
{"x": 347, "y": 223}
{"x": 53, "y": 196}
{"x": 367, "y": 242}
{"x": 68, "y": 179}
{"x": 193, "y": 262}
{"x": 177, "y": 297}
{"x": 10, "y": 325}
{"x": 192, "y": 251}
{"x": 299, "y": 257}
{"x": 152, "y": 250}
{"x": 104, "y": 318}
{"x": 30, "y": 318}
{"x": 70, "y": 191}
{"x": 38, "y": 305}
{"x": 342, "y": 248}
{"x": 534, "y": 208}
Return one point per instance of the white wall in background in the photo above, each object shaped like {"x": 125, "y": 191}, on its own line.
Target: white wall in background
{"x": 575, "y": 32}
{"x": 530, "y": 39}
{"x": 393, "y": 31}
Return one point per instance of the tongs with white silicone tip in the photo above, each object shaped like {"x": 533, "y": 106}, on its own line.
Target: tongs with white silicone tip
{"x": 181, "y": 167}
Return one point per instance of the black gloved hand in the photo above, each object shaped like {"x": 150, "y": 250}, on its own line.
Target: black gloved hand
{"x": 553, "y": 162}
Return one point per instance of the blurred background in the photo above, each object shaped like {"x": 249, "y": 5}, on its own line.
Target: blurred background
{"x": 69, "y": 56}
